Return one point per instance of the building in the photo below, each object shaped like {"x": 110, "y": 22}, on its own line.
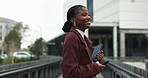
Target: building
{"x": 121, "y": 25}
{"x": 132, "y": 30}
{"x": 55, "y": 46}
{"x": 5, "y": 27}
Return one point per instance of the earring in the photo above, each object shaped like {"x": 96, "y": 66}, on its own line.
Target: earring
{"x": 74, "y": 24}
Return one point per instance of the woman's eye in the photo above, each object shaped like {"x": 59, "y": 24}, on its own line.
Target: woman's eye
{"x": 83, "y": 14}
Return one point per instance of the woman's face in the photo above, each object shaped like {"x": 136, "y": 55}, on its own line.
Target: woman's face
{"x": 82, "y": 19}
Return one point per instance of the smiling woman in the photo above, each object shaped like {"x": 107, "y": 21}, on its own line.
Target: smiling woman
{"x": 77, "y": 51}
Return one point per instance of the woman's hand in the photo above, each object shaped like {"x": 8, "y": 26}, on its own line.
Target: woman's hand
{"x": 100, "y": 65}
{"x": 100, "y": 55}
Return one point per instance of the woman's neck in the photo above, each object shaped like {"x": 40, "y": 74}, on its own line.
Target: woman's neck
{"x": 80, "y": 29}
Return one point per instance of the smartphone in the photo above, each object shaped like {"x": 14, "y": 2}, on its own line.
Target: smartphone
{"x": 97, "y": 49}
{"x": 101, "y": 47}
{"x": 105, "y": 63}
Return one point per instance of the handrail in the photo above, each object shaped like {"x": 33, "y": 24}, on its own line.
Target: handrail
{"x": 15, "y": 66}
{"x": 127, "y": 70}
{"x": 42, "y": 64}
{"x": 124, "y": 72}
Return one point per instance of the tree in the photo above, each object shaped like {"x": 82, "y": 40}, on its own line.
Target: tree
{"x": 12, "y": 41}
{"x": 38, "y": 46}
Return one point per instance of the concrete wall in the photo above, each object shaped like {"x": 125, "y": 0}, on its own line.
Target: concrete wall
{"x": 133, "y": 14}
{"x": 106, "y": 10}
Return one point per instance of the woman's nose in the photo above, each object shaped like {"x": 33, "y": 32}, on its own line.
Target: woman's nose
{"x": 88, "y": 17}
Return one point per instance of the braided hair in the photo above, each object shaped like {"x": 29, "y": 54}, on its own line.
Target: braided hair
{"x": 71, "y": 13}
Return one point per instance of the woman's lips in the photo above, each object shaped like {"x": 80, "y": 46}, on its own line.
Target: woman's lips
{"x": 88, "y": 22}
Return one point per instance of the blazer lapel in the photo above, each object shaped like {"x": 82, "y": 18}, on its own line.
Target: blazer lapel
{"x": 88, "y": 48}
{"x": 85, "y": 41}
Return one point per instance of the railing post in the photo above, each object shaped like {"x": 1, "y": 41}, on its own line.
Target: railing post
{"x": 46, "y": 72}
{"x": 146, "y": 63}
{"x": 41, "y": 73}
{"x": 36, "y": 74}
{"x": 29, "y": 75}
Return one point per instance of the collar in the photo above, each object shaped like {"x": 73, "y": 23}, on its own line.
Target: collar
{"x": 81, "y": 32}
{"x": 73, "y": 29}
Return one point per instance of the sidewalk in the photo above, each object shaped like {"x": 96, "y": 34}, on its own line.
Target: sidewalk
{"x": 98, "y": 76}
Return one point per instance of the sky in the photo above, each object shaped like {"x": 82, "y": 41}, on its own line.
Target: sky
{"x": 44, "y": 17}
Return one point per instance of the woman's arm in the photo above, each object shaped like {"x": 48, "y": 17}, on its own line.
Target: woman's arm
{"x": 70, "y": 66}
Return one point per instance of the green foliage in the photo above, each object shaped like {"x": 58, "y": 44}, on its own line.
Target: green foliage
{"x": 1, "y": 61}
{"x": 38, "y": 46}
{"x": 13, "y": 39}
{"x": 21, "y": 60}
{"x": 7, "y": 60}
{"x": 16, "y": 60}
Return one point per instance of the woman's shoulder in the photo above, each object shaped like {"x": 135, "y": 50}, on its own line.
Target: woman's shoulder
{"x": 71, "y": 35}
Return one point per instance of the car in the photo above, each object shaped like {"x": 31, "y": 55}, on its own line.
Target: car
{"x": 23, "y": 54}
{"x": 3, "y": 56}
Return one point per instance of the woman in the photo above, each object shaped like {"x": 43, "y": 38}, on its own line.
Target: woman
{"x": 77, "y": 52}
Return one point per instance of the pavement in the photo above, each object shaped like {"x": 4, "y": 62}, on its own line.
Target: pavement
{"x": 141, "y": 65}
{"x": 98, "y": 76}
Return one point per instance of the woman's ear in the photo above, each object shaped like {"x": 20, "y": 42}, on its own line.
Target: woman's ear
{"x": 72, "y": 19}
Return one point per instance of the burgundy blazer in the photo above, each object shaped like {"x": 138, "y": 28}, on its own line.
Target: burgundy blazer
{"x": 77, "y": 57}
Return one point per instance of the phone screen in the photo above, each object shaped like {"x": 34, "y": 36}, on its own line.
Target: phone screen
{"x": 105, "y": 63}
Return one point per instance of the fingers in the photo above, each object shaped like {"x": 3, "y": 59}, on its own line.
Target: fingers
{"x": 100, "y": 65}
{"x": 100, "y": 55}
{"x": 101, "y": 51}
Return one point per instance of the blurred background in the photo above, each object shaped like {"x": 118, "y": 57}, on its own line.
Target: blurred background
{"x": 33, "y": 28}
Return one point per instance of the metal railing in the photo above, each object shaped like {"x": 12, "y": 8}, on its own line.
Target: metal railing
{"x": 44, "y": 68}
{"x": 49, "y": 68}
{"x": 121, "y": 70}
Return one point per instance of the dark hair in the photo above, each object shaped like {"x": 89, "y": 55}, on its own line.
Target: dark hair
{"x": 71, "y": 13}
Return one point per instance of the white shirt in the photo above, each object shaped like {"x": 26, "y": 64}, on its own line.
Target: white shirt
{"x": 81, "y": 32}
